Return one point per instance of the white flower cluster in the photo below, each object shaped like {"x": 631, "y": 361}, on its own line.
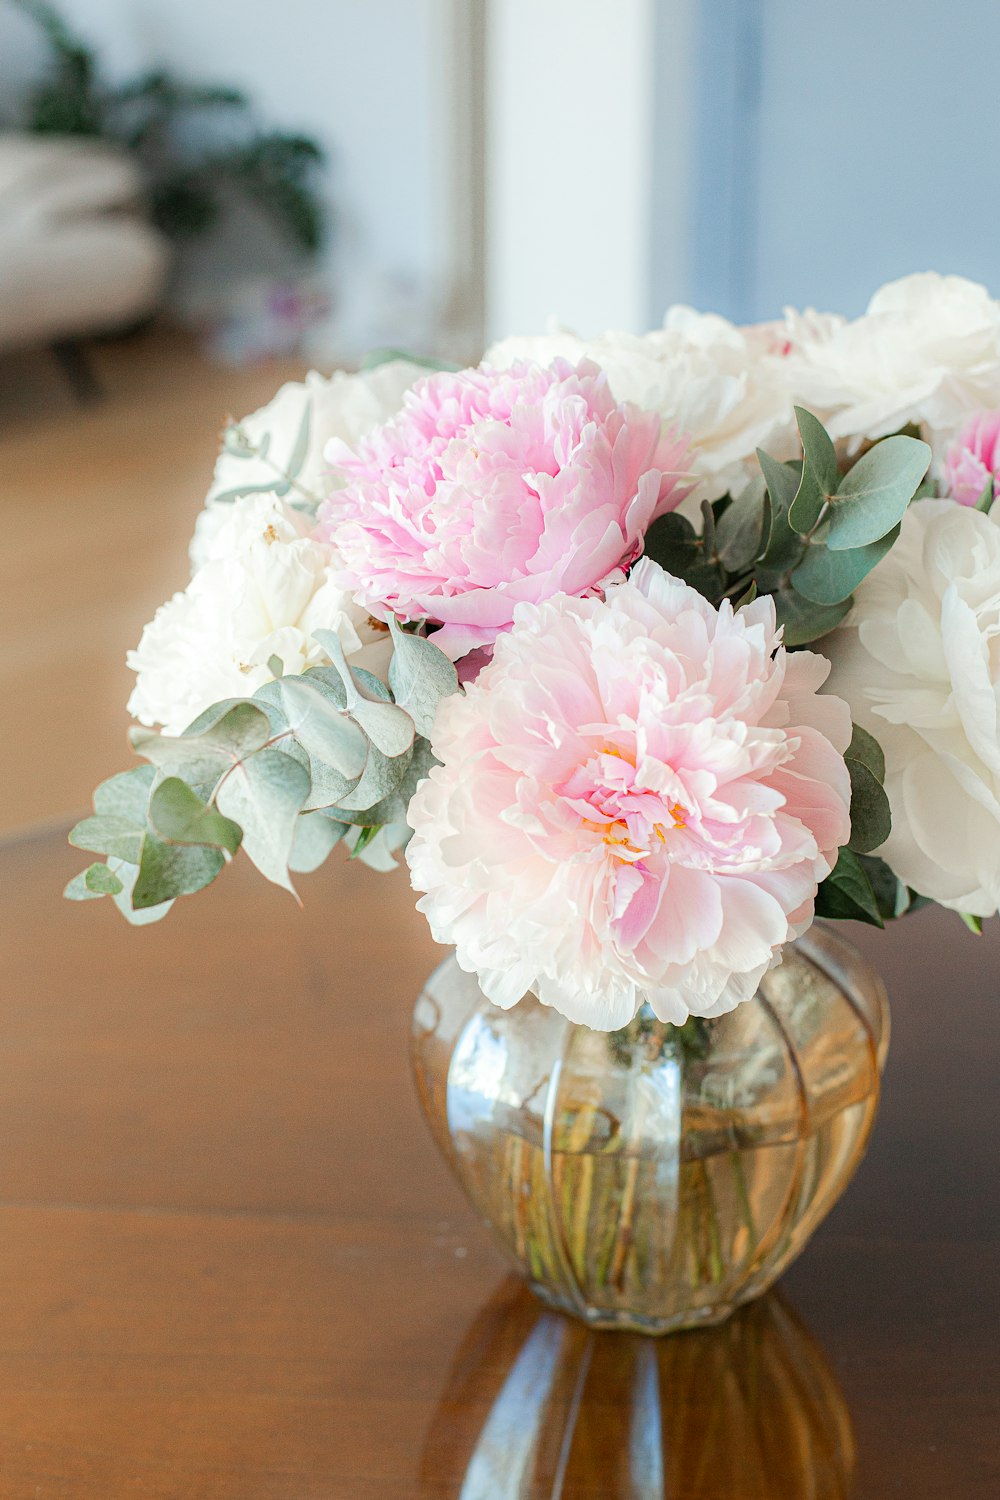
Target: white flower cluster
{"x": 262, "y": 589}
{"x": 262, "y": 585}
{"x": 725, "y": 386}
{"x": 918, "y": 664}
{"x": 926, "y": 352}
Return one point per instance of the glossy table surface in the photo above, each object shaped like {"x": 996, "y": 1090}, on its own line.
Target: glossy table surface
{"x": 232, "y": 1266}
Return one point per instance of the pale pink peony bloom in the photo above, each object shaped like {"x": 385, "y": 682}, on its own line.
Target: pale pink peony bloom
{"x": 493, "y": 488}
{"x": 973, "y": 459}
{"x": 636, "y": 801}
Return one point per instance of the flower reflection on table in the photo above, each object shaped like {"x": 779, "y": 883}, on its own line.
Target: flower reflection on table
{"x": 539, "y": 1408}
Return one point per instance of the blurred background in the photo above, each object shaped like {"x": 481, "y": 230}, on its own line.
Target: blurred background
{"x": 200, "y": 199}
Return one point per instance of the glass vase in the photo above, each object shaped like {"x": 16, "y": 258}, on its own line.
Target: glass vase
{"x": 657, "y": 1177}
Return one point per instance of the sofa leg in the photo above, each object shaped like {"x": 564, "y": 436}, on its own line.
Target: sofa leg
{"x": 71, "y": 356}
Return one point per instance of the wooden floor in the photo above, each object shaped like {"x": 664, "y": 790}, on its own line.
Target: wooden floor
{"x": 96, "y": 509}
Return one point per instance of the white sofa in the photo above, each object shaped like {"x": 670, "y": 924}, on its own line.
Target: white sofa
{"x": 76, "y": 256}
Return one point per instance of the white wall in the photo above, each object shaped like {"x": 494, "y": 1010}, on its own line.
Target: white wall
{"x": 368, "y": 78}
{"x": 569, "y": 115}
{"x": 877, "y": 145}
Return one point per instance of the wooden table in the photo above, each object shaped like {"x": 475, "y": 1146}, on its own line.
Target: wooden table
{"x": 233, "y": 1268}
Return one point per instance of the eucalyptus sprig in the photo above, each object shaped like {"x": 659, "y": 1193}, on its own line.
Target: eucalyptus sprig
{"x": 284, "y": 478}
{"x": 801, "y": 531}
{"x": 309, "y": 761}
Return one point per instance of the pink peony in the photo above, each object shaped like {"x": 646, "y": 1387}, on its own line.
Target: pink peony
{"x": 973, "y": 460}
{"x": 494, "y": 488}
{"x": 636, "y": 801}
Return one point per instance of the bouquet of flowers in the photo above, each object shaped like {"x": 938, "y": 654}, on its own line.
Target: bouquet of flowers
{"x": 642, "y": 651}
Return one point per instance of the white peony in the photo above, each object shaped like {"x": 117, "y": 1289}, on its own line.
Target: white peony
{"x": 263, "y": 587}
{"x": 342, "y": 406}
{"x": 926, "y": 351}
{"x": 919, "y": 665}
{"x": 726, "y": 386}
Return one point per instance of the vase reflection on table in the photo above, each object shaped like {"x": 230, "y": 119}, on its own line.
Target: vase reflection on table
{"x": 657, "y": 1177}
{"x": 746, "y": 1411}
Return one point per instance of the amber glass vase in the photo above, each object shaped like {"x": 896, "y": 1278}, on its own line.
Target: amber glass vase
{"x": 657, "y": 1177}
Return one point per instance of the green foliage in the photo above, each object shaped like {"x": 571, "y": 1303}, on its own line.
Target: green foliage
{"x": 819, "y": 477}
{"x": 149, "y": 116}
{"x": 870, "y": 818}
{"x": 742, "y": 532}
{"x": 873, "y": 495}
{"x": 420, "y": 676}
{"x": 96, "y": 880}
{"x": 827, "y": 577}
{"x": 848, "y": 892}
{"x": 801, "y": 532}
{"x": 385, "y": 356}
{"x": 264, "y": 795}
{"x": 311, "y": 761}
{"x": 237, "y": 444}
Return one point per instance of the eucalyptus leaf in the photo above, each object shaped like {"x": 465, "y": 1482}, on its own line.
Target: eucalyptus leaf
{"x": 138, "y": 917}
{"x": 170, "y": 870}
{"x": 382, "y": 774}
{"x": 985, "y": 504}
{"x": 376, "y": 357}
{"x": 828, "y": 577}
{"x": 420, "y": 675}
{"x": 300, "y": 447}
{"x": 264, "y": 795}
{"x": 389, "y": 728}
{"x": 315, "y": 837}
{"x": 109, "y": 834}
{"x": 176, "y": 813}
{"x": 820, "y": 475}
{"x": 327, "y": 786}
{"x": 324, "y": 731}
{"x": 126, "y": 795}
{"x": 217, "y": 740}
{"x": 330, "y": 683}
{"x": 672, "y": 542}
{"x": 874, "y": 494}
{"x": 803, "y": 620}
{"x": 102, "y": 881}
{"x": 392, "y": 807}
{"x": 742, "y": 529}
{"x": 847, "y": 893}
{"x": 871, "y": 821}
{"x": 96, "y": 881}
{"x": 890, "y": 893}
{"x": 707, "y": 529}
{"x": 784, "y": 546}
{"x": 866, "y": 748}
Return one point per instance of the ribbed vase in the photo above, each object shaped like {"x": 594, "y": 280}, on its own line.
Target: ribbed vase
{"x": 657, "y": 1177}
